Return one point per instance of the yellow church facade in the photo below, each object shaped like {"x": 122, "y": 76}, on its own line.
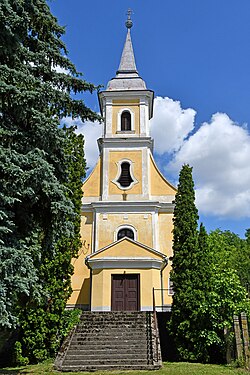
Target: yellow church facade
{"x": 127, "y": 206}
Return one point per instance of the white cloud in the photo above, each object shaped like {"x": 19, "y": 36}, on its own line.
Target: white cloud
{"x": 60, "y": 69}
{"x": 170, "y": 124}
{"x": 91, "y": 131}
{"x": 219, "y": 152}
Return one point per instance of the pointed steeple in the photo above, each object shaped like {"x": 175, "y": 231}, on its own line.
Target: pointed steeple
{"x": 127, "y": 77}
{"x": 127, "y": 63}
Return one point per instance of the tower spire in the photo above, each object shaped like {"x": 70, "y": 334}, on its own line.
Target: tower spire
{"x": 127, "y": 63}
{"x": 127, "y": 77}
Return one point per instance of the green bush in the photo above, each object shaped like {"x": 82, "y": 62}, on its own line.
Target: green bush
{"x": 19, "y": 360}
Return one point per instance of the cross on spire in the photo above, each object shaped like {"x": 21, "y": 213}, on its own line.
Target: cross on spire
{"x": 129, "y": 22}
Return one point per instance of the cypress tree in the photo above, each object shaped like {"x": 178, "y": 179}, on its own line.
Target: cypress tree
{"x": 190, "y": 274}
{"x": 39, "y": 202}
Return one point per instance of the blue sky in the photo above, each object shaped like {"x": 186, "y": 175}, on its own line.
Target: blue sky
{"x": 195, "y": 55}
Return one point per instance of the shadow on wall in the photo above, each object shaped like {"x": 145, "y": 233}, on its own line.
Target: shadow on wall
{"x": 83, "y": 299}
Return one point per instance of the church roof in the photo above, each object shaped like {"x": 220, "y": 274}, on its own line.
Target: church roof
{"x": 127, "y": 77}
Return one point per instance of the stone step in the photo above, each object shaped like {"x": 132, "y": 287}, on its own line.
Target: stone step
{"x": 114, "y": 340}
{"x": 104, "y": 338}
{"x": 74, "y": 368}
{"x": 112, "y": 325}
{"x": 108, "y": 346}
{"x": 110, "y": 341}
{"x": 110, "y": 332}
{"x": 113, "y": 319}
{"x": 104, "y": 362}
{"x": 95, "y": 349}
{"x": 107, "y": 357}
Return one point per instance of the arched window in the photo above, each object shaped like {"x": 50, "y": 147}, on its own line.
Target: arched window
{"x": 125, "y": 178}
{"x": 125, "y": 232}
{"x": 125, "y": 121}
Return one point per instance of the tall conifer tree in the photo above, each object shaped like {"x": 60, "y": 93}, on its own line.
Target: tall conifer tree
{"x": 39, "y": 206}
{"x": 190, "y": 274}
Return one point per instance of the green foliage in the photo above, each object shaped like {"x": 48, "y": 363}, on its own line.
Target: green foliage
{"x": 207, "y": 289}
{"x": 41, "y": 170}
{"x": 233, "y": 251}
{"x": 70, "y": 319}
{"x": 190, "y": 285}
{"x": 19, "y": 360}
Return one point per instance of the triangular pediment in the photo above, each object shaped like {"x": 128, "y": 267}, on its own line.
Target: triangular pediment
{"x": 127, "y": 247}
{"x": 126, "y": 253}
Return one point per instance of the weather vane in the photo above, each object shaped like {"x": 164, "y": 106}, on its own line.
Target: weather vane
{"x": 129, "y": 22}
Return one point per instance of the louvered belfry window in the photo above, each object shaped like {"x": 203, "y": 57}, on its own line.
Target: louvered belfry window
{"x": 125, "y": 121}
{"x": 125, "y": 232}
{"x": 125, "y": 178}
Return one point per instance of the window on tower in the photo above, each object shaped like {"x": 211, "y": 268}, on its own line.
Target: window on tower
{"x": 125, "y": 178}
{"x": 125, "y": 121}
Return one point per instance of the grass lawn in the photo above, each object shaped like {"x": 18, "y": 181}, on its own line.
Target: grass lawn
{"x": 168, "y": 369}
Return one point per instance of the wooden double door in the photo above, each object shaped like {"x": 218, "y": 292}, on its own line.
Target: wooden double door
{"x": 125, "y": 292}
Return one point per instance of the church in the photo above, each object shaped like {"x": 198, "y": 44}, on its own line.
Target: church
{"x": 127, "y": 206}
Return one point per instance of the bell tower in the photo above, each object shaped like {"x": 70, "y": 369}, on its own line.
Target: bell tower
{"x": 127, "y": 106}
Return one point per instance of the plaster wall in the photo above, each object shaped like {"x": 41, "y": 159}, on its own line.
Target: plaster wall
{"x": 80, "y": 281}
{"x": 159, "y": 186}
{"x": 118, "y": 106}
{"x": 92, "y": 185}
{"x": 136, "y": 158}
{"x": 101, "y": 287}
{"x": 109, "y": 223}
{"x": 165, "y": 223}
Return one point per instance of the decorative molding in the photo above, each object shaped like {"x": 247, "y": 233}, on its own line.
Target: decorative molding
{"x": 128, "y": 206}
{"x": 125, "y": 262}
{"x": 118, "y": 142}
{"x": 125, "y": 109}
{"x": 148, "y": 95}
{"x": 123, "y": 226}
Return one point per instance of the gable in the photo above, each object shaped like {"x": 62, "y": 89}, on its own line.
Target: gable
{"x": 159, "y": 185}
{"x": 127, "y": 248}
{"x": 92, "y": 185}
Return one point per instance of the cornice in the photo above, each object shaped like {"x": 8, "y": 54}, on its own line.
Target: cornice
{"x": 128, "y": 206}
{"x": 125, "y": 142}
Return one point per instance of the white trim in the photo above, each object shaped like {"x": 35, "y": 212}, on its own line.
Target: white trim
{"x": 105, "y": 174}
{"x": 133, "y": 94}
{"x": 93, "y": 233}
{"x": 145, "y": 172}
{"x": 155, "y": 230}
{"x": 97, "y": 217}
{"x": 131, "y": 169}
{"x": 128, "y": 206}
{"x": 108, "y": 118}
{"x": 146, "y": 308}
{"x": 119, "y": 114}
{"x": 123, "y": 226}
{"x": 125, "y": 262}
{"x": 101, "y": 308}
{"x": 170, "y": 287}
{"x": 119, "y": 143}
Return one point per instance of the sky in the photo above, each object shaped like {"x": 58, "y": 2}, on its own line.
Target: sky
{"x": 195, "y": 55}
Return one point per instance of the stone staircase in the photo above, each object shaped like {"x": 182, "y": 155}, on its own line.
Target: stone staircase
{"x": 111, "y": 341}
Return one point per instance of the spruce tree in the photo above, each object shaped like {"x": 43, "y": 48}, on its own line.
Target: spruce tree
{"x": 190, "y": 274}
{"x": 39, "y": 200}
